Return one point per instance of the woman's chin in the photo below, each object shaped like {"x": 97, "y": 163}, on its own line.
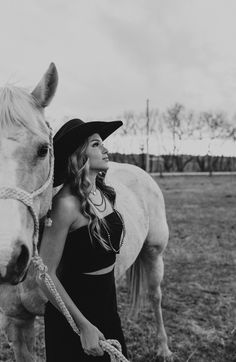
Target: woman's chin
{"x": 105, "y": 168}
{"x": 101, "y": 169}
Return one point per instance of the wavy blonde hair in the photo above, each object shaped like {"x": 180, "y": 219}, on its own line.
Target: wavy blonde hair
{"x": 78, "y": 179}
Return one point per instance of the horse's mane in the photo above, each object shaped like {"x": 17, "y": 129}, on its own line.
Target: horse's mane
{"x": 19, "y": 108}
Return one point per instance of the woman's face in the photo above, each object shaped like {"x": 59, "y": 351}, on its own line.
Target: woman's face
{"x": 97, "y": 153}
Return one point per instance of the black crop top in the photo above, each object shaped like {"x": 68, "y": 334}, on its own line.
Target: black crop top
{"x": 81, "y": 255}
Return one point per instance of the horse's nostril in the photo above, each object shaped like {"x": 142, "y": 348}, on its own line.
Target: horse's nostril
{"x": 22, "y": 259}
{"x": 16, "y": 268}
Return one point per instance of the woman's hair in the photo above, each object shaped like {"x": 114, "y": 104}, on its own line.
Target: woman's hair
{"x": 78, "y": 179}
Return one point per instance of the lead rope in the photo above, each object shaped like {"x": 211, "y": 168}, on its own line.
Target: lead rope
{"x": 111, "y": 346}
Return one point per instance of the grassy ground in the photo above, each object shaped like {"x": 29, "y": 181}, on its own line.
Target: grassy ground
{"x": 199, "y": 287}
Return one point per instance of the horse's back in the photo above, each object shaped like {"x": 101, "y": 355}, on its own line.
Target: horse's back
{"x": 134, "y": 178}
{"x": 135, "y": 182}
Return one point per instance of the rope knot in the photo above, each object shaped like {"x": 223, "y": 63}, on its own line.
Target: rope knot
{"x": 40, "y": 266}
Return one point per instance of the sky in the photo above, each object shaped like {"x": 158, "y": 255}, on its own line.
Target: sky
{"x": 112, "y": 55}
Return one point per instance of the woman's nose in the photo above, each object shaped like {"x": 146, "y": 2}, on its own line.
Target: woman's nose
{"x": 104, "y": 150}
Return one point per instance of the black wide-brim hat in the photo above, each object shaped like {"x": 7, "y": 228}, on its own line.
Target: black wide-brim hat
{"x": 69, "y": 137}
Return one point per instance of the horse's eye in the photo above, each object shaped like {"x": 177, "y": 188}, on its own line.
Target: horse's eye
{"x": 42, "y": 150}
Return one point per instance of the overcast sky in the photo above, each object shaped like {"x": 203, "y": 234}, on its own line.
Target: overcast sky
{"x": 112, "y": 55}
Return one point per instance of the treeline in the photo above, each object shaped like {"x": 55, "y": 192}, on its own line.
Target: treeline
{"x": 178, "y": 163}
{"x": 180, "y": 124}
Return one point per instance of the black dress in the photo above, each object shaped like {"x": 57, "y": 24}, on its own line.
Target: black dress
{"x": 95, "y": 295}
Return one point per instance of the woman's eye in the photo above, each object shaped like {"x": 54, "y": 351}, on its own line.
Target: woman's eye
{"x": 42, "y": 150}
{"x": 96, "y": 144}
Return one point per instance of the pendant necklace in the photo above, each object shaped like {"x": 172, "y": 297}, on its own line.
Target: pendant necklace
{"x": 93, "y": 192}
{"x": 102, "y": 206}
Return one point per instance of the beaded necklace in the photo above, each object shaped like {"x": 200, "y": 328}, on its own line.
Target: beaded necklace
{"x": 122, "y": 234}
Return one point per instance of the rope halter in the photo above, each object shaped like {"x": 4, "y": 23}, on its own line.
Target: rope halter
{"x": 28, "y": 198}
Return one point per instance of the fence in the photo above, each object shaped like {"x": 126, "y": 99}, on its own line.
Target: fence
{"x": 178, "y": 163}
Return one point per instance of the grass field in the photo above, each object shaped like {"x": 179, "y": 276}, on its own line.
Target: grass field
{"x": 199, "y": 287}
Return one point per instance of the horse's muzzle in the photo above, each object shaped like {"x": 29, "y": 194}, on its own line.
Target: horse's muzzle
{"x": 16, "y": 268}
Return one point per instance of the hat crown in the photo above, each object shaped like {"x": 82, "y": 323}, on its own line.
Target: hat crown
{"x": 67, "y": 127}
{"x": 74, "y": 122}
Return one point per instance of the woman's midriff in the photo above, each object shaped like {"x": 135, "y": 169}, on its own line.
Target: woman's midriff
{"x": 102, "y": 271}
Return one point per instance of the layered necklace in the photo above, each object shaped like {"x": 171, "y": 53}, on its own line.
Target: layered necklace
{"x": 101, "y": 207}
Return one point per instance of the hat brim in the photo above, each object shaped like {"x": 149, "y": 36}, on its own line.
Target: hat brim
{"x": 66, "y": 144}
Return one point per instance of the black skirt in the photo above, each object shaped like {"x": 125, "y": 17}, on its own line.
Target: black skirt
{"x": 95, "y": 297}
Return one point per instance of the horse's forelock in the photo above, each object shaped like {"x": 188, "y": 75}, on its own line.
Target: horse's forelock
{"x": 18, "y": 108}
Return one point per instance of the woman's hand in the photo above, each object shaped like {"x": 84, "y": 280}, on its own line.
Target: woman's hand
{"x": 90, "y": 337}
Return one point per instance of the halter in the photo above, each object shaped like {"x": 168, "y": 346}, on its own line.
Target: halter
{"x": 28, "y": 198}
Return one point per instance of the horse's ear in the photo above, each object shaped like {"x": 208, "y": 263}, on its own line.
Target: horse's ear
{"x": 46, "y": 88}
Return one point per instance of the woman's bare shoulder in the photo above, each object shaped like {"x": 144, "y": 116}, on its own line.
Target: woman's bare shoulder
{"x": 66, "y": 205}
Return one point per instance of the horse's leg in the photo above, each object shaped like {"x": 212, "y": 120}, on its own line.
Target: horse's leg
{"x": 154, "y": 267}
{"x": 21, "y": 336}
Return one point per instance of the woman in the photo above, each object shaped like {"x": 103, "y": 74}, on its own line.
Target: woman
{"x": 80, "y": 247}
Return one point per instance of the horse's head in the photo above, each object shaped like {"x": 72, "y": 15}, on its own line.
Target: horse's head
{"x": 26, "y": 163}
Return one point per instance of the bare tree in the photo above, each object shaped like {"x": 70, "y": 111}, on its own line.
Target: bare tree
{"x": 136, "y": 123}
{"x": 173, "y": 118}
{"x": 231, "y": 129}
{"x": 215, "y": 125}
{"x": 211, "y": 125}
{"x": 181, "y": 124}
{"x": 129, "y": 123}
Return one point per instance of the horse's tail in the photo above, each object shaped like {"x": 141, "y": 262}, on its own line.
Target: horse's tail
{"x": 137, "y": 284}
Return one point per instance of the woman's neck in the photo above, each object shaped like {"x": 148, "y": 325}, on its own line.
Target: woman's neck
{"x": 93, "y": 188}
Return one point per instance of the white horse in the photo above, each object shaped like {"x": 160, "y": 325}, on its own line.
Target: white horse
{"x": 25, "y": 162}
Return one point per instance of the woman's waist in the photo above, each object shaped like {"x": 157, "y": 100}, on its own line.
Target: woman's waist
{"x": 105, "y": 270}
{"x": 80, "y": 277}
{"x": 74, "y": 263}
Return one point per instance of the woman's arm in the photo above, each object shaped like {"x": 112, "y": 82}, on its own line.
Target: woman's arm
{"x": 52, "y": 245}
